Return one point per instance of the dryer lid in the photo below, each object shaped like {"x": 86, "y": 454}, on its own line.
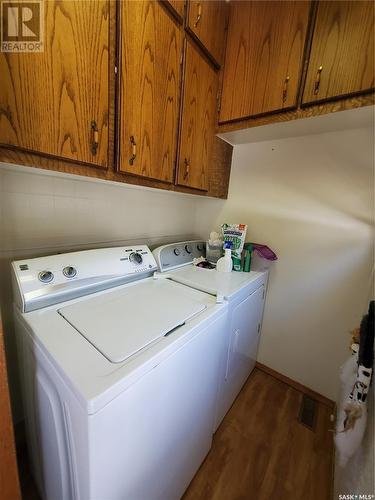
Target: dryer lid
{"x": 212, "y": 281}
{"x": 122, "y": 322}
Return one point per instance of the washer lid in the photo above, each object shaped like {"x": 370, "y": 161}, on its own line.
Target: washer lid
{"x": 122, "y": 322}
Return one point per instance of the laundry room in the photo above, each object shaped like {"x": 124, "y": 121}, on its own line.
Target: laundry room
{"x": 187, "y": 250}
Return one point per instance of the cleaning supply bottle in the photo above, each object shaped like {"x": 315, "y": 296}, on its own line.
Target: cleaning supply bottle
{"x": 248, "y": 247}
{"x": 225, "y": 264}
{"x": 236, "y": 263}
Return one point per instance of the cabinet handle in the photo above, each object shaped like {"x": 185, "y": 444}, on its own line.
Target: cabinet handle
{"x": 199, "y": 16}
{"x": 285, "y": 89}
{"x": 317, "y": 80}
{"x": 134, "y": 150}
{"x": 94, "y": 137}
{"x": 187, "y": 169}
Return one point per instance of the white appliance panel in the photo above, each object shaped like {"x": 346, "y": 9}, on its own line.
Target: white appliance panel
{"x": 52, "y": 279}
{"x": 245, "y": 327}
{"x": 213, "y": 282}
{"x": 151, "y": 443}
{"x": 119, "y": 324}
{"x": 47, "y": 423}
{"x": 175, "y": 255}
{"x": 244, "y": 323}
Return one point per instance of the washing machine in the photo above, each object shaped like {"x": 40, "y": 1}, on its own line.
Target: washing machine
{"x": 119, "y": 374}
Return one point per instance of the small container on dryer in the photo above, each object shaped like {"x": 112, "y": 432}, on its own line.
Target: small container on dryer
{"x": 248, "y": 248}
{"x": 262, "y": 257}
{"x": 214, "y": 252}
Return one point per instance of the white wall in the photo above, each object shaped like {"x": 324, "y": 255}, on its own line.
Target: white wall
{"x": 42, "y": 212}
{"x": 310, "y": 199}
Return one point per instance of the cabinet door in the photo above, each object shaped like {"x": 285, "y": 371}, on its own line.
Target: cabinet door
{"x": 151, "y": 49}
{"x": 198, "y": 120}
{"x": 51, "y": 102}
{"x": 264, "y": 57}
{"x": 207, "y": 21}
{"x": 342, "y": 53}
{"x": 178, "y": 6}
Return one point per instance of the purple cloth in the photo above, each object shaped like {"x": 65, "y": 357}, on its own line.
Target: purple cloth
{"x": 264, "y": 251}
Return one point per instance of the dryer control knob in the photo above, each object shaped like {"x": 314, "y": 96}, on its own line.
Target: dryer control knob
{"x": 176, "y": 251}
{"x": 188, "y": 249}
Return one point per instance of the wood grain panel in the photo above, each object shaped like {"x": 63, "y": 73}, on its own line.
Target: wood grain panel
{"x": 264, "y": 57}
{"x": 262, "y": 452}
{"x": 307, "y": 112}
{"x": 198, "y": 120}
{"x": 207, "y": 20}
{"x": 178, "y": 6}
{"x": 343, "y": 45}
{"x": 48, "y": 99}
{"x": 151, "y": 49}
{"x": 219, "y": 168}
{"x": 218, "y": 172}
{"x": 9, "y": 484}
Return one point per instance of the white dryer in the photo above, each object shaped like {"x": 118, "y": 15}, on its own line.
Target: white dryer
{"x": 245, "y": 295}
{"x": 119, "y": 374}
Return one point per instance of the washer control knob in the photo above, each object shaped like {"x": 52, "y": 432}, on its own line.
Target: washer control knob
{"x": 200, "y": 247}
{"x": 69, "y": 272}
{"x": 176, "y": 251}
{"x": 188, "y": 249}
{"x": 45, "y": 276}
{"x": 136, "y": 258}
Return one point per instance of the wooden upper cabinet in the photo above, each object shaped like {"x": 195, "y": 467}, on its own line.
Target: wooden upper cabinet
{"x": 178, "y": 7}
{"x": 150, "y": 70}
{"x": 342, "y": 52}
{"x": 207, "y": 20}
{"x": 56, "y": 102}
{"x": 264, "y": 57}
{"x": 198, "y": 120}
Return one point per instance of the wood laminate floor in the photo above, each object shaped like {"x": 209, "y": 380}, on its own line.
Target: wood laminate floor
{"x": 262, "y": 452}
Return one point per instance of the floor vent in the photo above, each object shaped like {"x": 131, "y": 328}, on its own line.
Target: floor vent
{"x": 308, "y": 412}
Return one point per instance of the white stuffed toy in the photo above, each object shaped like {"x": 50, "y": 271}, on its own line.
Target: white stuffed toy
{"x": 356, "y": 378}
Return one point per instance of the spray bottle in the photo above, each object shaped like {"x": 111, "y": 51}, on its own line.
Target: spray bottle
{"x": 225, "y": 264}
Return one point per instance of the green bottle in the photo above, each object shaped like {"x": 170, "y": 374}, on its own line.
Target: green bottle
{"x": 236, "y": 263}
{"x": 248, "y": 249}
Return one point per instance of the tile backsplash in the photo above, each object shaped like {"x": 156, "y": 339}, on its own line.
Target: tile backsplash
{"x": 41, "y": 209}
